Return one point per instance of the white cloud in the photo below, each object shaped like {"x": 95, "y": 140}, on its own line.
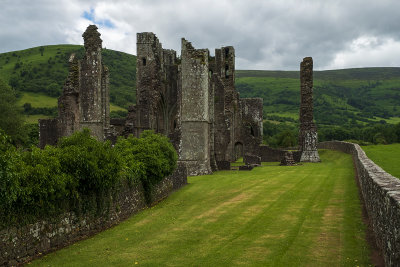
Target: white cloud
{"x": 267, "y": 34}
{"x": 368, "y": 51}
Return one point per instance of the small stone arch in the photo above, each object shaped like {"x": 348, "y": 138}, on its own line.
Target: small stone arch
{"x": 238, "y": 150}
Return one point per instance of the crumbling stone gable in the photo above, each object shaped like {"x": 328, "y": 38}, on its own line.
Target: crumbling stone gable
{"x": 251, "y": 124}
{"x": 308, "y": 137}
{"x": 84, "y": 102}
{"x": 157, "y": 90}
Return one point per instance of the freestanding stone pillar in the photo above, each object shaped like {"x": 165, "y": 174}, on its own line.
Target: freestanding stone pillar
{"x": 308, "y": 137}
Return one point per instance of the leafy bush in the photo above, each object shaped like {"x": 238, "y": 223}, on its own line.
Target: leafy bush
{"x": 149, "y": 158}
{"x": 95, "y": 164}
{"x": 81, "y": 174}
{"x": 10, "y": 163}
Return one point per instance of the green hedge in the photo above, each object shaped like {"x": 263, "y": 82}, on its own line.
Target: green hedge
{"x": 80, "y": 174}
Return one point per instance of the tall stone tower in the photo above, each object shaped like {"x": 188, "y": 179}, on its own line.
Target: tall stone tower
{"x": 84, "y": 102}
{"x": 93, "y": 87}
{"x": 195, "y": 117}
{"x": 308, "y": 137}
{"x": 148, "y": 84}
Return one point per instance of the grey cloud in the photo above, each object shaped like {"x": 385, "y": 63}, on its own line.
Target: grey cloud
{"x": 272, "y": 34}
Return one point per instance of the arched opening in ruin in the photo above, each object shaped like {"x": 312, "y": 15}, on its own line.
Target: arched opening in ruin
{"x": 226, "y": 71}
{"x": 144, "y": 61}
{"x": 238, "y": 150}
{"x": 252, "y": 131}
{"x": 226, "y": 52}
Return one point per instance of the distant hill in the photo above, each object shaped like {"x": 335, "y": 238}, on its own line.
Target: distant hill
{"x": 341, "y": 97}
{"x": 364, "y": 95}
{"x": 43, "y": 70}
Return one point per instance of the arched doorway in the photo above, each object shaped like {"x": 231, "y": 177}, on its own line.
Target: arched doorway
{"x": 238, "y": 150}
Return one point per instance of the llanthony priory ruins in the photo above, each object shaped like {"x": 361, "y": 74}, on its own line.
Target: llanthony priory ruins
{"x": 191, "y": 99}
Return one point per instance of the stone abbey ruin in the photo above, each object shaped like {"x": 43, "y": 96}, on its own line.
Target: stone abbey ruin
{"x": 191, "y": 99}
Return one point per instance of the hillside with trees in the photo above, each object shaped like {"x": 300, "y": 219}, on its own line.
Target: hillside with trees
{"x": 360, "y": 104}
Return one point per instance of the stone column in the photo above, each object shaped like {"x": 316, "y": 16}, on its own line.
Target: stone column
{"x": 92, "y": 93}
{"x": 308, "y": 137}
{"x": 195, "y": 117}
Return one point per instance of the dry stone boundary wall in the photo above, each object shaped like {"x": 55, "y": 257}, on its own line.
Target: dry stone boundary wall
{"x": 381, "y": 194}
{"x": 19, "y": 244}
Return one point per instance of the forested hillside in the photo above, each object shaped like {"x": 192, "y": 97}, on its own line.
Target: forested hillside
{"x": 43, "y": 70}
{"x": 349, "y": 104}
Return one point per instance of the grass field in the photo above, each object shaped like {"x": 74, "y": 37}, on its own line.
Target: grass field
{"x": 306, "y": 215}
{"x": 37, "y": 100}
{"x": 41, "y": 100}
{"x": 386, "y": 156}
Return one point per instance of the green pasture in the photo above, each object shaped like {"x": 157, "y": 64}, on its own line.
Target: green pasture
{"x": 306, "y": 215}
{"x": 386, "y": 156}
{"x": 37, "y": 100}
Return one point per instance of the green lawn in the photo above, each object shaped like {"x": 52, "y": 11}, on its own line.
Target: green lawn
{"x": 38, "y": 100}
{"x": 307, "y": 215}
{"x": 386, "y": 156}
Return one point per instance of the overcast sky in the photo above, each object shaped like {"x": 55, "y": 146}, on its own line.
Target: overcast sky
{"x": 267, "y": 34}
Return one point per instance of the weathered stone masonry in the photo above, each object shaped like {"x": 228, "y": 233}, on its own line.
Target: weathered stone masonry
{"x": 19, "y": 244}
{"x": 84, "y": 102}
{"x": 308, "y": 137}
{"x": 381, "y": 194}
{"x": 192, "y": 100}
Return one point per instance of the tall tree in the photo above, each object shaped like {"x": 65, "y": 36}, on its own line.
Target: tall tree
{"x": 11, "y": 118}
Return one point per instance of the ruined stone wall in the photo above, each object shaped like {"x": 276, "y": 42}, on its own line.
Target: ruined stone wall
{"x": 48, "y": 132}
{"x": 195, "y": 117}
{"x": 308, "y": 137}
{"x": 222, "y": 135}
{"x": 225, "y": 65}
{"x": 252, "y": 124}
{"x": 148, "y": 84}
{"x": 269, "y": 154}
{"x": 157, "y": 86}
{"x": 68, "y": 102}
{"x": 93, "y": 93}
{"x": 381, "y": 195}
{"x": 19, "y": 244}
{"x": 84, "y": 102}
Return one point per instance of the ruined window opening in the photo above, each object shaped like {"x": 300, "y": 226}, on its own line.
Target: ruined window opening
{"x": 174, "y": 124}
{"x": 227, "y": 71}
{"x": 252, "y": 131}
{"x": 144, "y": 61}
{"x": 226, "y": 51}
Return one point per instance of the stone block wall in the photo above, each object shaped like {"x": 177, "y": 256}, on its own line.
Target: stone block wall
{"x": 48, "y": 132}
{"x": 381, "y": 194}
{"x": 20, "y": 244}
{"x": 269, "y": 154}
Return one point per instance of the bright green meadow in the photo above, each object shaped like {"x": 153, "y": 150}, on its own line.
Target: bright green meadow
{"x": 306, "y": 215}
{"x": 386, "y": 156}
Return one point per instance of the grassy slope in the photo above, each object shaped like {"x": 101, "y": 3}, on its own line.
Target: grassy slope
{"x": 367, "y": 94}
{"x": 386, "y": 156}
{"x": 361, "y": 95}
{"x": 306, "y": 215}
{"x": 33, "y": 89}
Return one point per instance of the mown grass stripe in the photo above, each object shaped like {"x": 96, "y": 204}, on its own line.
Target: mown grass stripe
{"x": 305, "y": 215}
